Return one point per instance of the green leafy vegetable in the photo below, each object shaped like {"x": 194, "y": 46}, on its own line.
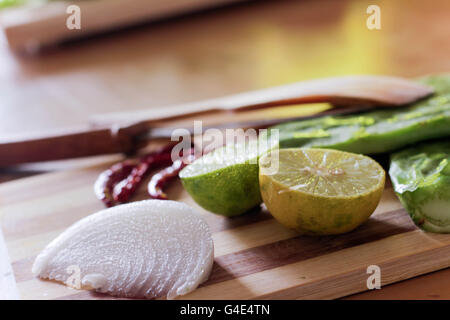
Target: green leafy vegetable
{"x": 15, "y": 3}
{"x": 421, "y": 179}
{"x": 10, "y": 3}
{"x": 378, "y": 131}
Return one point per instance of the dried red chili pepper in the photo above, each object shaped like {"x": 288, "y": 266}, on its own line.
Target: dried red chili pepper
{"x": 125, "y": 188}
{"x": 106, "y": 181}
{"x": 117, "y": 184}
{"x": 162, "y": 178}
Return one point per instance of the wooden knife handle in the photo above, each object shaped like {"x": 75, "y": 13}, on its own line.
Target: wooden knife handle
{"x": 66, "y": 145}
{"x": 340, "y": 91}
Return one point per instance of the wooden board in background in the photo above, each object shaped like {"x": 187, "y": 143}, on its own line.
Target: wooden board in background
{"x": 255, "y": 257}
{"x": 31, "y": 27}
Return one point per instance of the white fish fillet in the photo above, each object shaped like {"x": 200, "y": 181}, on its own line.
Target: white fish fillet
{"x": 150, "y": 249}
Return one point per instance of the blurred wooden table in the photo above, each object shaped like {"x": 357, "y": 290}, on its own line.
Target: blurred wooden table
{"x": 220, "y": 52}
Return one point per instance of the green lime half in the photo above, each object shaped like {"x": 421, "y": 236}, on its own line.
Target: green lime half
{"x": 225, "y": 181}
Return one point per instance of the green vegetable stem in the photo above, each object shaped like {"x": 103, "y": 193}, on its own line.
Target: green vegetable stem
{"x": 378, "y": 131}
{"x": 10, "y": 3}
{"x": 421, "y": 179}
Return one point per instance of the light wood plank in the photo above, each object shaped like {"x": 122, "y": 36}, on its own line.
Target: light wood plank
{"x": 8, "y": 288}
{"x": 339, "y": 273}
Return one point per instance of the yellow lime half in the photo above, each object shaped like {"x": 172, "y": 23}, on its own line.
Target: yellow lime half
{"x": 320, "y": 191}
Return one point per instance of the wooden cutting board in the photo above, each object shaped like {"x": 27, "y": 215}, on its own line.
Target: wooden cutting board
{"x": 255, "y": 257}
{"x": 29, "y": 27}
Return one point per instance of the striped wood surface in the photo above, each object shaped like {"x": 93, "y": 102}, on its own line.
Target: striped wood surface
{"x": 255, "y": 257}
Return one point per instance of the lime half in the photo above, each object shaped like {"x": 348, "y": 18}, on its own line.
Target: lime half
{"x": 225, "y": 181}
{"x": 321, "y": 191}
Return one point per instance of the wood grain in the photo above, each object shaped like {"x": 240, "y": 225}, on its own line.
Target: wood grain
{"x": 361, "y": 90}
{"x": 248, "y": 47}
{"x": 7, "y": 280}
{"x": 255, "y": 257}
{"x": 222, "y": 52}
{"x": 31, "y": 27}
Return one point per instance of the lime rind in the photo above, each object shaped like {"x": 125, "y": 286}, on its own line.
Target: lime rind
{"x": 315, "y": 192}
{"x": 229, "y": 191}
{"x": 225, "y": 181}
{"x": 222, "y": 157}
